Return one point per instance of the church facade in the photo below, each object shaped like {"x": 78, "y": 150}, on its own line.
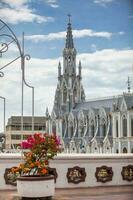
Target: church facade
{"x": 103, "y": 125}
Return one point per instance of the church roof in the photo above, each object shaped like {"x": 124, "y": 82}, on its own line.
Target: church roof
{"x": 129, "y": 100}
{"x": 106, "y": 103}
{"x": 97, "y": 104}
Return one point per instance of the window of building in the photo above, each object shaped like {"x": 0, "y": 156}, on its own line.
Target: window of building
{"x": 64, "y": 95}
{"x": 27, "y": 127}
{"x": 124, "y": 123}
{"x": 15, "y": 127}
{"x": 117, "y": 128}
{"x": 16, "y": 137}
{"x": 41, "y": 128}
{"x": 71, "y": 131}
{"x": 63, "y": 127}
{"x": 132, "y": 150}
{"x": 25, "y": 137}
{"x": 104, "y": 129}
{"x": 117, "y": 151}
{"x": 92, "y": 128}
{"x": 124, "y": 150}
{"x": 81, "y": 128}
{"x": 82, "y": 131}
{"x": 75, "y": 95}
{"x": 53, "y": 127}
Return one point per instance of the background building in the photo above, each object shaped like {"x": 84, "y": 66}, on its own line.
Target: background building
{"x": 2, "y": 141}
{"x": 13, "y": 129}
{"x": 97, "y": 126}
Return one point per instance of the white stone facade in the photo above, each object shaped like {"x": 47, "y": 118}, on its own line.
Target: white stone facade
{"x": 62, "y": 162}
{"x": 88, "y": 126}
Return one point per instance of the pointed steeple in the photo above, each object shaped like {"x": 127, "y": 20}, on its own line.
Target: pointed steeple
{"x": 69, "y": 36}
{"x": 47, "y": 112}
{"x": 59, "y": 69}
{"x": 80, "y": 68}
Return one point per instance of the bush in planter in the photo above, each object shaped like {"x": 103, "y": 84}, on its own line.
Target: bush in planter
{"x": 35, "y": 168}
{"x": 41, "y": 148}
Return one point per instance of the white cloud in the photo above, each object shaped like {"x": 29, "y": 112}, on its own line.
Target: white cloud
{"x": 104, "y": 73}
{"x": 76, "y": 33}
{"x": 52, "y": 3}
{"x": 103, "y": 2}
{"x": 14, "y": 11}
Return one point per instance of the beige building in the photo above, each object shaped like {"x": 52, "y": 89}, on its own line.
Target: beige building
{"x": 13, "y": 129}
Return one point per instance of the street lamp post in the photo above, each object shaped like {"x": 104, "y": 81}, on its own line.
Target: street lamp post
{"x": 4, "y": 113}
{"x": 23, "y": 78}
{"x": 11, "y": 35}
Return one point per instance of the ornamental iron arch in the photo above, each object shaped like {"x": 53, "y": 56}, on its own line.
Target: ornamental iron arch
{"x": 7, "y": 32}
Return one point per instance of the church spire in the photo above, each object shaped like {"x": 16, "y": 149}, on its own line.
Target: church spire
{"x": 69, "y": 36}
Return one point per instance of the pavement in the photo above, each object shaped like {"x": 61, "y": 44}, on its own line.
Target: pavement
{"x": 95, "y": 193}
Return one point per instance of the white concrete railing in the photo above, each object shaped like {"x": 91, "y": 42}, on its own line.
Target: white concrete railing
{"x": 64, "y": 161}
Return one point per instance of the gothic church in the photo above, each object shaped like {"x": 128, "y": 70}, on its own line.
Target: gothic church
{"x": 96, "y": 126}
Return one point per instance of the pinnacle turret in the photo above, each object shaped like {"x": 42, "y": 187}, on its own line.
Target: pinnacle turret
{"x": 59, "y": 69}
{"x": 80, "y": 67}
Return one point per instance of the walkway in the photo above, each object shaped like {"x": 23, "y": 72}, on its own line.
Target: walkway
{"x": 99, "y": 193}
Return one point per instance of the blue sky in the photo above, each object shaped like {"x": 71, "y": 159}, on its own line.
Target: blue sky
{"x": 102, "y": 31}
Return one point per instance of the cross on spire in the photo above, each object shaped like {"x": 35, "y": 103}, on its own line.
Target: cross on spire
{"x": 69, "y": 18}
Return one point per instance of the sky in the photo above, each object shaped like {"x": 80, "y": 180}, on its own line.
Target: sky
{"x": 102, "y": 32}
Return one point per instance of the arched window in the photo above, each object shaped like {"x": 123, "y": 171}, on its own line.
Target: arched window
{"x": 117, "y": 128}
{"x": 64, "y": 94}
{"x": 53, "y": 127}
{"x": 75, "y": 95}
{"x": 104, "y": 128}
{"x": 71, "y": 130}
{"x": 63, "y": 127}
{"x": 124, "y": 150}
{"x": 131, "y": 126}
{"x": 124, "y": 123}
{"x": 81, "y": 128}
{"x": 92, "y": 128}
{"x": 117, "y": 151}
{"x": 82, "y": 131}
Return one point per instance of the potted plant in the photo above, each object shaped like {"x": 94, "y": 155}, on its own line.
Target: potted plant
{"x": 33, "y": 177}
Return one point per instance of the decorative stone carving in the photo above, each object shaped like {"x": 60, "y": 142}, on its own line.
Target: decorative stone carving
{"x": 10, "y": 179}
{"x": 76, "y": 175}
{"x": 53, "y": 172}
{"x": 104, "y": 174}
{"x": 127, "y": 173}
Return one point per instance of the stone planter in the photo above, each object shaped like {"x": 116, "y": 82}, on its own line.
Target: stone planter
{"x": 30, "y": 187}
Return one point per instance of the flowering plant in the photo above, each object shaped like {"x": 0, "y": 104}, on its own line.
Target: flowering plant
{"x": 36, "y": 160}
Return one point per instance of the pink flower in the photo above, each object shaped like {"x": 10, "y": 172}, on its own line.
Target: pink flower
{"x": 58, "y": 141}
{"x": 25, "y": 145}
